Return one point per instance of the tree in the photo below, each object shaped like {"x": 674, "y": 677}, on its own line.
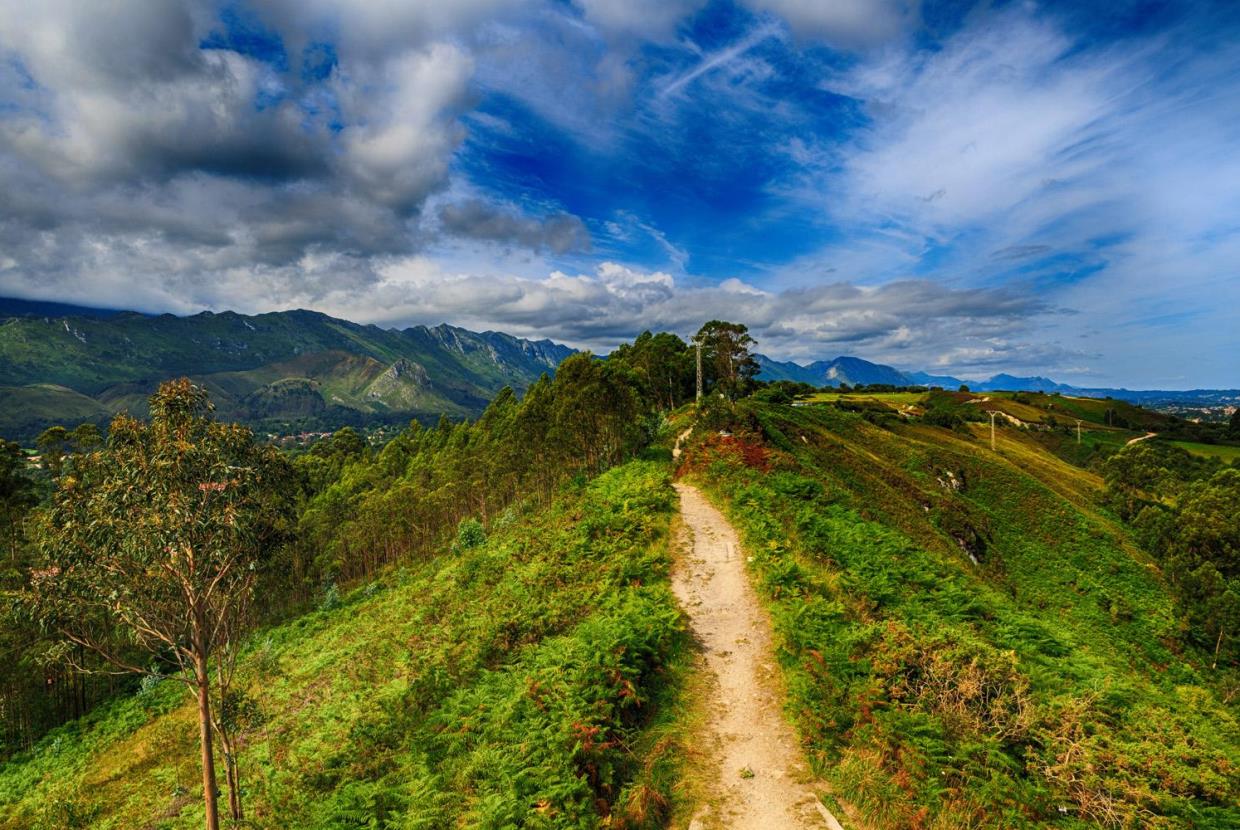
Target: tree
{"x": 53, "y": 442}
{"x": 725, "y": 353}
{"x": 85, "y": 437}
{"x": 664, "y": 364}
{"x": 16, "y": 494}
{"x": 1200, "y": 550}
{"x": 345, "y": 443}
{"x": 1233, "y": 426}
{"x": 595, "y": 409}
{"x": 155, "y": 542}
{"x": 1150, "y": 472}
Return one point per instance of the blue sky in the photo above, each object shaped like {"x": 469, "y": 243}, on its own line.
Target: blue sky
{"x": 965, "y": 188}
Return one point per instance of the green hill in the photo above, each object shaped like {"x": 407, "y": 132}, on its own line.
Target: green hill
{"x": 343, "y": 372}
{"x": 516, "y": 682}
{"x": 968, "y": 639}
{"x": 25, "y": 411}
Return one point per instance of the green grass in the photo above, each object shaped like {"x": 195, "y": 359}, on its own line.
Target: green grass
{"x": 1227, "y": 452}
{"x": 885, "y": 397}
{"x": 530, "y": 681}
{"x": 26, "y": 410}
{"x": 1044, "y": 685}
{"x": 1066, "y": 408}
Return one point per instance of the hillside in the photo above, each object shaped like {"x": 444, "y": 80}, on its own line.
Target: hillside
{"x": 294, "y": 367}
{"x": 517, "y": 680}
{"x": 967, "y": 638}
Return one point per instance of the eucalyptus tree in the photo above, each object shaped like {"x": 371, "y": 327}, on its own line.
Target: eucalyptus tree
{"x": 16, "y": 495}
{"x": 726, "y": 349}
{"x": 150, "y": 550}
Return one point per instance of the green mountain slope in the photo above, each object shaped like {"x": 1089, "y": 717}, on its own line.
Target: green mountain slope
{"x": 513, "y": 683}
{"x": 339, "y": 367}
{"x": 968, "y": 639}
{"x": 27, "y": 410}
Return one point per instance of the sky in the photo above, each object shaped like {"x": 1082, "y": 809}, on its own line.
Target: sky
{"x": 958, "y": 187}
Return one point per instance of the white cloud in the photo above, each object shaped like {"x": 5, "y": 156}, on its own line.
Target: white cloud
{"x": 376, "y": 30}
{"x": 403, "y": 129}
{"x": 140, "y": 168}
{"x": 648, "y": 19}
{"x": 124, "y": 136}
{"x": 844, "y": 23}
{"x": 1103, "y": 178}
{"x": 601, "y": 308}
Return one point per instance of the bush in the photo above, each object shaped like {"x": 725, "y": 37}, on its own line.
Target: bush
{"x": 469, "y": 535}
{"x": 330, "y": 599}
{"x": 942, "y": 417}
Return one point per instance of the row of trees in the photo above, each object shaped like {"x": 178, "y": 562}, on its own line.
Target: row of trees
{"x": 157, "y": 549}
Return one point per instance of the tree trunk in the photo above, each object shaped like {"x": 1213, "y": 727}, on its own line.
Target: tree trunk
{"x": 209, "y": 794}
{"x": 234, "y": 779}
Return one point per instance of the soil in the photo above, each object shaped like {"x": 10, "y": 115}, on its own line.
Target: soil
{"x": 755, "y": 772}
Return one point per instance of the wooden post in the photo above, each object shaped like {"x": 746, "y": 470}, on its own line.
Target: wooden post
{"x": 698, "y": 342}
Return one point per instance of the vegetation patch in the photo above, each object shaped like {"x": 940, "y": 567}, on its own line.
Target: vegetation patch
{"x": 1047, "y": 684}
{"x": 511, "y": 681}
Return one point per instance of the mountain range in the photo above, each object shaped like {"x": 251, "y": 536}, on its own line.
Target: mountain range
{"x": 291, "y": 370}
{"x": 286, "y": 370}
{"x": 855, "y": 371}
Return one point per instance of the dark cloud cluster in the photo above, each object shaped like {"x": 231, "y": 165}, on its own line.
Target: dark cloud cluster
{"x": 186, "y": 146}
{"x": 477, "y": 219}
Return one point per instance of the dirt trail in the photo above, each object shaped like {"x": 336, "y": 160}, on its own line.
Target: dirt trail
{"x": 758, "y": 777}
{"x": 1147, "y": 436}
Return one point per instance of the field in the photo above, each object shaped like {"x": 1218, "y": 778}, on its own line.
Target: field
{"x": 534, "y": 669}
{"x": 1226, "y": 452}
{"x": 884, "y": 397}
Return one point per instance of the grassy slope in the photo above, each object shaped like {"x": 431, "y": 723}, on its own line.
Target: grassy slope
{"x": 1052, "y": 418}
{"x": 27, "y": 410}
{"x": 1039, "y": 687}
{"x": 1226, "y": 452}
{"x": 517, "y": 683}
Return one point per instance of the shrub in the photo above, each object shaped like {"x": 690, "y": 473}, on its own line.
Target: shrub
{"x": 330, "y": 599}
{"x": 469, "y": 535}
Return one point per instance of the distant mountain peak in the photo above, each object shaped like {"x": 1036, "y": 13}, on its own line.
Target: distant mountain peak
{"x": 278, "y": 366}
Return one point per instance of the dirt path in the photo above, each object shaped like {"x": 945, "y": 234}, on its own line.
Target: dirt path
{"x": 756, "y": 774}
{"x": 1147, "y": 436}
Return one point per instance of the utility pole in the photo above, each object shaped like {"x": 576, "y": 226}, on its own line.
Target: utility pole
{"x": 1078, "y": 431}
{"x": 993, "y": 415}
{"x": 698, "y": 342}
